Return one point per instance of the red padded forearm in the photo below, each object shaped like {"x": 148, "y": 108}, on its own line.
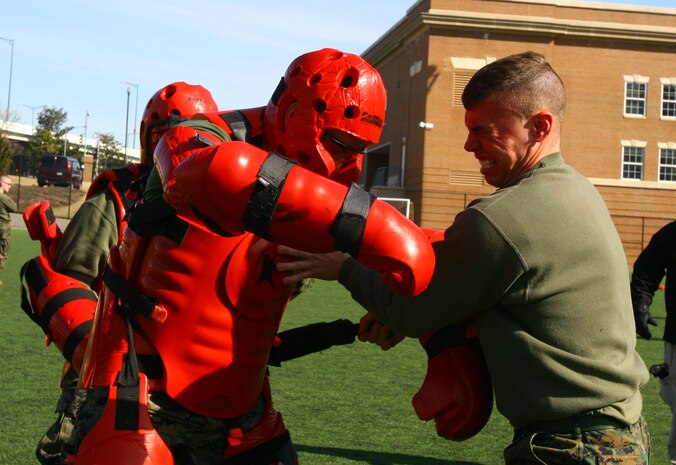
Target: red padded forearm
{"x": 64, "y": 308}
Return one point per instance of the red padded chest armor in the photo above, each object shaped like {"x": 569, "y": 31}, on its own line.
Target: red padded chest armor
{"x": 224, "y": 300}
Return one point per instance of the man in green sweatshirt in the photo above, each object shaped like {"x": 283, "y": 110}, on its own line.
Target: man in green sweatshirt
{"x": 540, "y": 268}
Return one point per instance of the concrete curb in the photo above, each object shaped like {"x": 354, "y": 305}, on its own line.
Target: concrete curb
{"x": 17, "y": 221}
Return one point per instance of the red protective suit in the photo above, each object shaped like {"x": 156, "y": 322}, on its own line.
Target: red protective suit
{"x": 206, "y": 294}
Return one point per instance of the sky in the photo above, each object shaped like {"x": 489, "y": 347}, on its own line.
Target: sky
{"x": 83, "y": 55}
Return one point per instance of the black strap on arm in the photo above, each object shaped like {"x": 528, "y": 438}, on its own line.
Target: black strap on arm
{"x": 263, "y": 201}
{"x": 308, "y": 339}
{"x": 240, "y": 125}
{"x": 75, "y": 337}
{"x": 348, "y": 229}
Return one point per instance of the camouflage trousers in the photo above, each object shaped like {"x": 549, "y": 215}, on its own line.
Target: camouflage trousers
{"x": 627, "y": 446}
{"x": 193, "y": 439}
{"x": 5, "y": 236}
{"x": 50, "y": 450}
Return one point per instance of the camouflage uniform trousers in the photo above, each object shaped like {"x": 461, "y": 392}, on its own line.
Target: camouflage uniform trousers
{"x": 49, "y": 450}
{"x": 192, "y": 439}
{"x": 627, "y": 446}
{"x": 5, "y": 236}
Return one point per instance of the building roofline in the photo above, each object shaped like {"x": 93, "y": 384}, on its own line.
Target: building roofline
{"x": 541, "y": 25}
{"x": 413, "y": 25}
{"x": 600, "y": 6}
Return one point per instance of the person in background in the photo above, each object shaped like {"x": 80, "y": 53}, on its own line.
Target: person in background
{"x": 7, "y": 206}
{"x": 73, "y": 262}
{"x": 655, "y": 262}
{"x": 540, "y": 268}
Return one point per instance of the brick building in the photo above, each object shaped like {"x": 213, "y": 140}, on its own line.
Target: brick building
{"x": 619, "y": 66}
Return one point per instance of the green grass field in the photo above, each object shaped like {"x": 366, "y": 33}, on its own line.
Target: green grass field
{"x": 348, "y": 405}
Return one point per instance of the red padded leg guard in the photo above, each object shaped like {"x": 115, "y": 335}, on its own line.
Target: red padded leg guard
{"x": 105, "y": 445}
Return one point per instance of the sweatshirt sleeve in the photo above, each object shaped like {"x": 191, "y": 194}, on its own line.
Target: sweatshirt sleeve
{"x": 475, "y": 267}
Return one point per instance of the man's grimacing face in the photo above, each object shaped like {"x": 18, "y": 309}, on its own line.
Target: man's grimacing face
{"x": 500, "y": 139}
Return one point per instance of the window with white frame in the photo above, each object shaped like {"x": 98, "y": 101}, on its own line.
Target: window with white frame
{"x": 668, "y": 98}
{"x": 667, "y": 168}
{"x": 633, "y": 155}
{"x": 635, "y": 94}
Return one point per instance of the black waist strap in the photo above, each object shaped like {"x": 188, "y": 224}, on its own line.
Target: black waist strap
{"x": 583, "y": 423}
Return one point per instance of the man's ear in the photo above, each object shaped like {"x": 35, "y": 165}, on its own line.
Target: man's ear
{"x": 542, "y": 124}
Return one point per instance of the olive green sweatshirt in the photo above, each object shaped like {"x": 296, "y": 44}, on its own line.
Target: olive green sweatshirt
{"x": 541, "y": 269}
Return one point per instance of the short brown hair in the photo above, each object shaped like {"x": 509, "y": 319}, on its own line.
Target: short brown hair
{"x": 523, "y": 83}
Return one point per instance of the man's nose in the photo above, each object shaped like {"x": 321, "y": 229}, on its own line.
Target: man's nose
{"x": 470, "y": 143}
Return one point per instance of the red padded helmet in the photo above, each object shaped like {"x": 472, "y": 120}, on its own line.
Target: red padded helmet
{"x": 169, "y": 106}
{"x": 324, "y": 90}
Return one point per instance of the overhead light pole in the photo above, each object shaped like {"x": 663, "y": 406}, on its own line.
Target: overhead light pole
{"x": 11, "y": 64}
{"x": 133, "y": 142}
{"x": 126, "y": 127}
{"x": 84, "y": 140}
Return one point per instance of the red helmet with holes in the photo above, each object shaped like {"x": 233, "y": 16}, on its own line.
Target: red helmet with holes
{"x": 325, "y": 90}
{"x": 169, "y": 106}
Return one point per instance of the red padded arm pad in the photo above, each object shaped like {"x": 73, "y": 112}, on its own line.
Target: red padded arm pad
{"x": 218, "y": 182}
{"x": 64, "y": 307}
{"x": 457, "y": 390}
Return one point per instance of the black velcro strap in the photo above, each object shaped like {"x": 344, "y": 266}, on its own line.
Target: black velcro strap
{"x": 263, "y": 453}
{"x": 450, "y": 336}
{"x": 175, "y": 119}
{"x": 308, "y": 339}
{"x": 32, "y": 273}
{"x": 240, "y": 125}
{"x": 157, "y": 218}
{"x": 74, "y": 339}
{"x": 127, "y": 406}
{"x": 132, "y": 299}
{"x": 49, "y": 216}
{"x": 348, "y": 229}
{"x": 32, "y": 276}
{"x": 61, "y": 299}
{"x": 268, "y": 188}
